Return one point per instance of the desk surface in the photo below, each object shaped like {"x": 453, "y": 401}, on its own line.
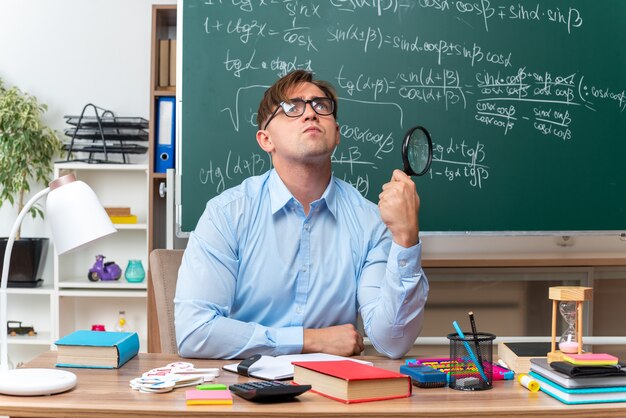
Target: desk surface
{"x": 106, "y": 393}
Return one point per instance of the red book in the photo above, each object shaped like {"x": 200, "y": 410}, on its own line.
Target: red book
{"x": 348, "y": 381}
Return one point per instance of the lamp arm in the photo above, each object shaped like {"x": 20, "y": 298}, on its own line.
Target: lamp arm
{"x": 4, "y": 358}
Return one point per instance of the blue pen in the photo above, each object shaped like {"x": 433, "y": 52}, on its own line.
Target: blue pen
{"x": 470, "y": 352}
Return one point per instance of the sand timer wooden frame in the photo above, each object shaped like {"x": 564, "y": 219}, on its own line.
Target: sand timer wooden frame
{"x": 576, "y": 294}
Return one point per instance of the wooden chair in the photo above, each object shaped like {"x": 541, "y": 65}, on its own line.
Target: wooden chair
{"x": 164, "y": 266}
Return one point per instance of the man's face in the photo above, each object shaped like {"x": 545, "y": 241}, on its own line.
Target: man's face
{"x": 307, "y": 138}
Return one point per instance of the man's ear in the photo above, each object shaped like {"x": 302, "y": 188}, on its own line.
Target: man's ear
{"x": 337, "y": 136}
{"x": 264, "y": 140}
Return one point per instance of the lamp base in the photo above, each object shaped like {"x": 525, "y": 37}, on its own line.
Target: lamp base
{"x": 34, "y": 382}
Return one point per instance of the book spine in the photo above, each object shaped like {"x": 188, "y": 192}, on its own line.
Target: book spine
{"x": 127, "y": 348}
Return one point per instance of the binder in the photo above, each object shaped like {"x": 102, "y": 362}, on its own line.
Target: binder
{"x": 165, "y": 134}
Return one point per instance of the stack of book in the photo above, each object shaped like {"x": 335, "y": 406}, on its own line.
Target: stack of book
{"x": 121, "y": 215}
{"x": 578, "y": 381}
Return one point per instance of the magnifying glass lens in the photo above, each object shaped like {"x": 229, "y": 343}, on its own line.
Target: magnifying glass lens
{"x": 418, "y": 151}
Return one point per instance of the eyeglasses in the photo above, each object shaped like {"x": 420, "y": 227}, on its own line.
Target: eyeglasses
{"x": 294, "y": 108}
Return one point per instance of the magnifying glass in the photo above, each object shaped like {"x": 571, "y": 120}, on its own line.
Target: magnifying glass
{"x": 417, "y": 151}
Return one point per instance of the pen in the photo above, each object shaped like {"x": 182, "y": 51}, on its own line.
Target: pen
{"x": 469, "y": 351}
{"x": 475, "y": 335}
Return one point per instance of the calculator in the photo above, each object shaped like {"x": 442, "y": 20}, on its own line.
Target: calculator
{"x": 265, "y": 391}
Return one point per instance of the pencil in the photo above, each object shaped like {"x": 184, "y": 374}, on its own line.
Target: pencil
{"x": 475, "y": 335}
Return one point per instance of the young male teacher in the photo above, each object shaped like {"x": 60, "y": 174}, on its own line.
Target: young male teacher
{"x": 282, "y": 263}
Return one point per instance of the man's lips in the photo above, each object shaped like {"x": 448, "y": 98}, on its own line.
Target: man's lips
{"x": 312, "y": 129}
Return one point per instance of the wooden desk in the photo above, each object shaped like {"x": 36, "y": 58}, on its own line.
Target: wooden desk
{"x": 106, "y": 393}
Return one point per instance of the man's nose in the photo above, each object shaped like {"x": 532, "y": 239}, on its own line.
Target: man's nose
{"x": 309, "y": 113}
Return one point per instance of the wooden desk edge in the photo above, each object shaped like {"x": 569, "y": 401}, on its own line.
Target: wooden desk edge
{"x": 525, "y": 260}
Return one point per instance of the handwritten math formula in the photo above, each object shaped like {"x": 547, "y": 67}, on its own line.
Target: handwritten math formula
{"x": 493, "y": 82}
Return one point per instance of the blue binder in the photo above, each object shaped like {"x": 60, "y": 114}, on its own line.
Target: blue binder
{"x": 165, "y": 134}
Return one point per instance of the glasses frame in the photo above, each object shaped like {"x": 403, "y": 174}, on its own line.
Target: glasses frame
{"x": 281, "y": 105}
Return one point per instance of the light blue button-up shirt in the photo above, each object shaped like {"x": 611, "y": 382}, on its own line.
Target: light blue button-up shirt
{"x": 257, "y": 272}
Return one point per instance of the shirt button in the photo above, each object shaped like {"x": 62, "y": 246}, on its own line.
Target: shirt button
{"x": 299, "y": 310}
{"x": 402, "y": 263}
{"x": 303, "y": 269}
{"x": 307, "y": 226}
{"x": 405, "y": 301}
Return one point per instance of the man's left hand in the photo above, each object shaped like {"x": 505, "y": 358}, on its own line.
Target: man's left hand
{"x": 399, "y": 206}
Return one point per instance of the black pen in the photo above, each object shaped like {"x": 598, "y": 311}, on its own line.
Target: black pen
{"x": 475, "y": 334}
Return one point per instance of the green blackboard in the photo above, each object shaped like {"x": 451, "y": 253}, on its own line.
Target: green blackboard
{"x": 525, "y": 102}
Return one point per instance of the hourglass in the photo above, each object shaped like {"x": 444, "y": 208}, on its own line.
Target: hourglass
{"x": 569, "y": 340}
{"x": 568, "y": 300}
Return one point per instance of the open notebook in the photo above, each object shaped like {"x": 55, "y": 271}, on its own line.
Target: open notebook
{"x": 280, "y": 367}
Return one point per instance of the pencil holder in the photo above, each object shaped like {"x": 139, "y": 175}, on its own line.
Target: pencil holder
{"x": 471, "y": 366}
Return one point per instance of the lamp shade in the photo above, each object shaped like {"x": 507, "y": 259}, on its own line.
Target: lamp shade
{"x": 75, "y": 214}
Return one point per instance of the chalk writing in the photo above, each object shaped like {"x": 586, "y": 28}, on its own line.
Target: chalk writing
{"x": 458, "y": 161}
{"x": 500, "y": 85}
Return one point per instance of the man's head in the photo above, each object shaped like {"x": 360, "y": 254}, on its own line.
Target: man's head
{"x": 297, "y": 124}
{"x": 279, "y": 92}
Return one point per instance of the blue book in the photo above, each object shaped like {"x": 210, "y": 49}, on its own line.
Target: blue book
{"x": 580, "y": 396}
{"x": 96, "y": 349}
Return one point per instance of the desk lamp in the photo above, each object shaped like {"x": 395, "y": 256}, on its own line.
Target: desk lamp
{"x": 76, "y": 218}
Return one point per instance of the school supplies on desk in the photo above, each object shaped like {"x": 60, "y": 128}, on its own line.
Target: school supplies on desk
{"x": 590, "y": 359}
{"x": 583, "y": 395}
{"x": 528, "y": 382}
{"x": 425, "y": 376}
{"x": 461, "y": 367}
{"x": 96, "y": 349}
{"x": 611, "y": 376}
{"x": 208, "y": 397}
{"x": 471, "y": 353}
{"x": 281, "y": 367}
{"x": 348, "y": 381}
{"x": 518, "y": 354}
{"x": 174, "y": 375}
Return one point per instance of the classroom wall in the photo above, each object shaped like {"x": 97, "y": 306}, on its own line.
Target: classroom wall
{"x": 72, "y": 52}
{"x": 69, "y": 53}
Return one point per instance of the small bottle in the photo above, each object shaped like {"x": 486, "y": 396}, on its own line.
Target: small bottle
{"x": 121, "y": 322}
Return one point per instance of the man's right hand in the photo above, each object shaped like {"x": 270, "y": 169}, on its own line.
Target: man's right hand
{"x": 341, "y": 340}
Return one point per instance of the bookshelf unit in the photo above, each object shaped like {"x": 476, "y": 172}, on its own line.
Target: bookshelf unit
{"x": 163, "y": 27}
{"x": 69, "y": 300}
{"x": 81, "y": 302}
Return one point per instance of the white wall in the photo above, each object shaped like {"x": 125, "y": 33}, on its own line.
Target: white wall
{"x": 69, "y": 53}
{"x": 72, "y": 52}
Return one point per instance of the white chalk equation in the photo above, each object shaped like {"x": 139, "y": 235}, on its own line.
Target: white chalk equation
{"x": 483, "y": 76}
{"x": 460, "y": 161}
{"x": 233, "y": 170}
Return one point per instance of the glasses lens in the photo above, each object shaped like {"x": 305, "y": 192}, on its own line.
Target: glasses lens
{"x": 294, "y": 107}
{"x": 322, "y": 106}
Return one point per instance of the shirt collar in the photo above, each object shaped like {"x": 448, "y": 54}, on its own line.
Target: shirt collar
{"x": 281, "y": 196}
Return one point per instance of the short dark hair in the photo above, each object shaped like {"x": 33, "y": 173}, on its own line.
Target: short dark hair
{"x": 277, "y": 93}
